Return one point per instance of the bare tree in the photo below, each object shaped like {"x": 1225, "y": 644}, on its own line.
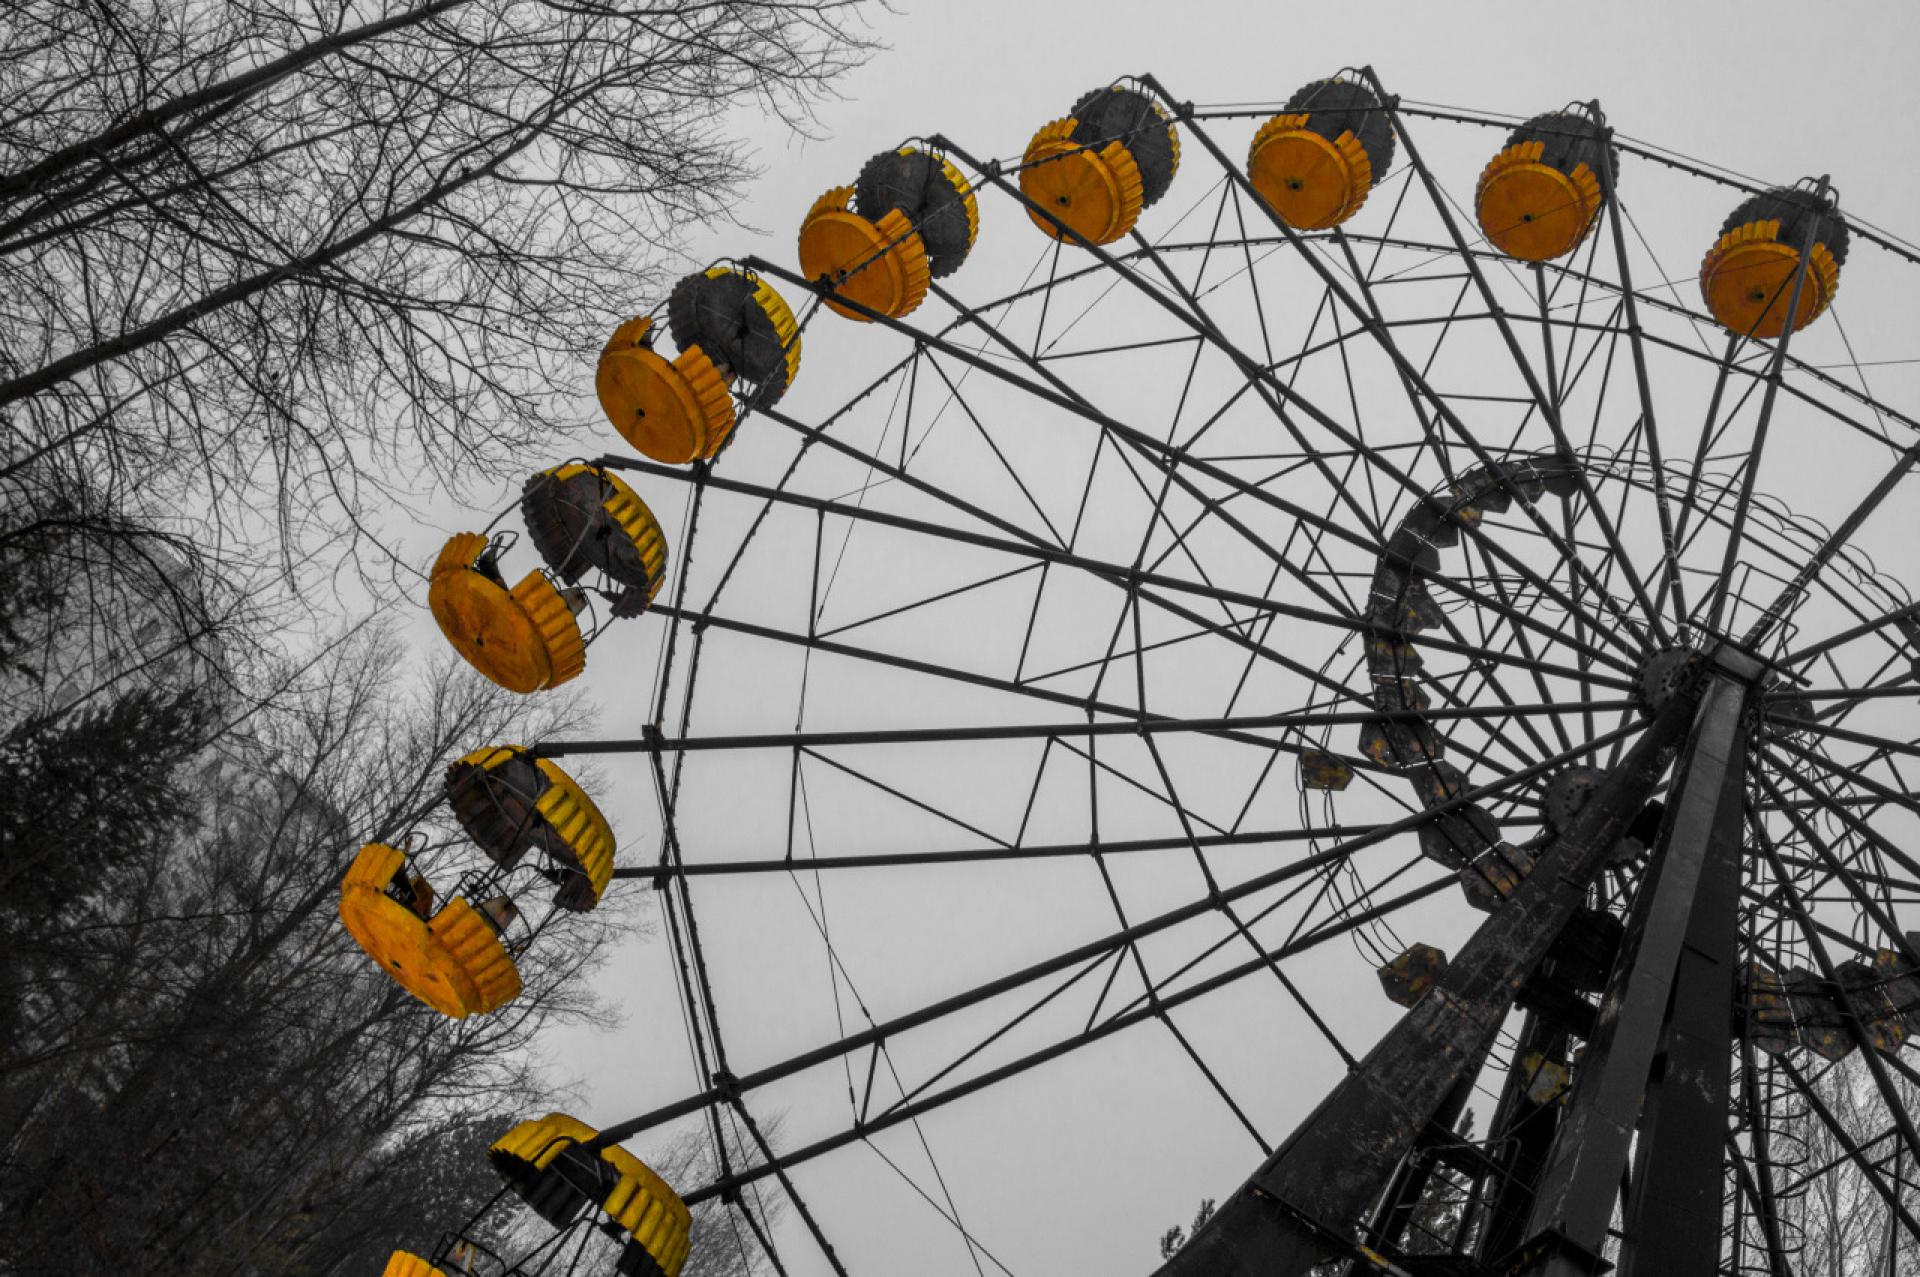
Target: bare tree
{"x": 268, "y": 269}
{"x": 205, "y": 1075}
{"x": 1835, "y": 1220}
{"x": 267, "y": 266}
{"x": 1176, "y": 1237}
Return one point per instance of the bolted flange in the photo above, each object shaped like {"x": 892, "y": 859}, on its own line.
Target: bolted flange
{"x": 1408, "y": 977}
{"x": 1660, "y": 675}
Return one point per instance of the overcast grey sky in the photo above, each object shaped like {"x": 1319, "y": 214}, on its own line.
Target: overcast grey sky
{"x": 1078, "y": 1167}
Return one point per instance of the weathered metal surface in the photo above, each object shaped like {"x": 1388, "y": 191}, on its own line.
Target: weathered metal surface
{"x": 1568, "y": 792}
{"x": 1456, "y": 837}
{"x": 1819, "y": 1023}
{"x": 1408, "y": 976}
{"x": 1310, "y": 1198}
{"x": 1673, "y": 1218}
{"x": 1401, "y": 1202}
{"x": 1769, "y": 1011}
{"x": 1495, "y": 875}
{"x": 1520, "y": 1136}
{"x": 1873, "y": 1003}
{"x": 1575, "y": 1198}
{"x": 1547, "y": 1080}
{"x": 1319, "y": 770}
{"x": 1583, "y": 957}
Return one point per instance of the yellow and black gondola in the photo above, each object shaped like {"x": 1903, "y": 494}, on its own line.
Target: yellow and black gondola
{"x": 1540, "y": 196}
{"x": 457, "y": 957}
{"x": 544, "y": 1161}
{"x": 731, "y": 326}
{"x": 878, "y": 244}
{"x": 453, "y": 958}
{"x": 1747, "y": 278}
{"x": 583, "y": 519}
{"x": 929, "y": 191}
{"x": 596, "y": 536}
{"x": 1317, "y": 160}
{"x": 1094, "y": 172}
{"x": 510, "y": 802}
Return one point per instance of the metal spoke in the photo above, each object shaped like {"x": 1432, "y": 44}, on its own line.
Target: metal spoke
{"x": 1186, "y": 580}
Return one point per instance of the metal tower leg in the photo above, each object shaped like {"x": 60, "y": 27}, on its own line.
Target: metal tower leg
{"x": 1308, "y": 1201}
{"x": 1523, "y": 1135}
{"x": 1402, "y": 1198}
{"x": 1673, "y": 1223}
{"x": 1689, "y": 894}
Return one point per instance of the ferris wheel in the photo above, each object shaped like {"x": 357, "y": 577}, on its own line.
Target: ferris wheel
{"x": 1252, "y": 562}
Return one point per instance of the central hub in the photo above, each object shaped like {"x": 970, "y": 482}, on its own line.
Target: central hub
{"x": 1660, "y": 677}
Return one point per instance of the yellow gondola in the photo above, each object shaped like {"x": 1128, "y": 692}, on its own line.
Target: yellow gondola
{"x": 731, "y": 326}
{"x": 673, "y": 412}
{"x": 510, "y": 802}
{"x": 525, "y": 638}
{"x": 458, "y": 957}
{"x": 1316, "y": 161}
{"x": 1095, "y": 171}
{"x": 879, "y": 266}
{"x": 1748, "y": 275}
{"x": 879, "y": 244}
{"x": 543, "y": 1162}
{"x": 1540, "y": 196}
{"x": 452, "y": 958}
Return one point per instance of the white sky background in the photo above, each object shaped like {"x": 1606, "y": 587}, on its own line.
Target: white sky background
{"x": 1773, "y": 90}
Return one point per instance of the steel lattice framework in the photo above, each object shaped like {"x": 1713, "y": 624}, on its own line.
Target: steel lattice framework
{"x": 1094, "y": 580}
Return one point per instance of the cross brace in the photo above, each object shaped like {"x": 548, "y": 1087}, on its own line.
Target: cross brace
{"x": 1309, "y": 1201}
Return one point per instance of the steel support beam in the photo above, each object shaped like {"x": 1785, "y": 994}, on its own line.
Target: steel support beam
{"x": 1636, "y": 341}
{"x": 1776, "y": 367}
{"x": 660, "y": 743}
{"x": 1401, "y": 1202}
{"x": 1309, "y": 1200}
{"x": 1128, "y": 577}
{"x": 1520, "y": 1137}
{"x": 1673, "y": 1219}
{"x": 1573, "y": 1205}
